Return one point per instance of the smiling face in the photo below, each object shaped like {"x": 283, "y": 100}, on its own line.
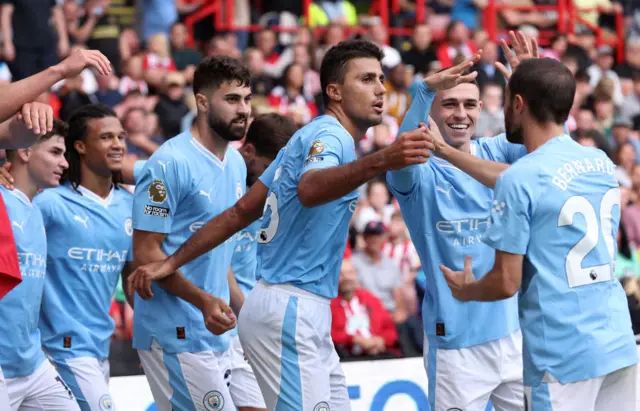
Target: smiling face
{"x": 47, "y": 162}
{"x": 456, "y": 112}
{"x": 104, "y": 146}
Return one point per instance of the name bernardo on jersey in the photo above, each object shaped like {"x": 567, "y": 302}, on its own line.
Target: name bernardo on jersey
{"x": 574, "y": 168}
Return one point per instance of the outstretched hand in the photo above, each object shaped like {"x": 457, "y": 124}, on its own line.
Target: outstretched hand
{"x": 459, "y": 281}
{"x": 451, "y": 77}
{"x": 523, "y": 49}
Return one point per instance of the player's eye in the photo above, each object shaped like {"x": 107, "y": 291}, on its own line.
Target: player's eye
{"x": 232, "y": 99}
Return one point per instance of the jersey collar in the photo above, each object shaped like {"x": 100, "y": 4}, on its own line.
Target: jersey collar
{"x": 208, "y": 154}
{"x": 20, "y": 196}
{"x": 105, "y": 202}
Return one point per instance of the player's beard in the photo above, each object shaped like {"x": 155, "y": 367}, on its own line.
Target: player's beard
{"x": 513, "y": 132}
{"x": 228, "y": 132}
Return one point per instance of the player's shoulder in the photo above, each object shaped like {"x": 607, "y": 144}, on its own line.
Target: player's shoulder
{"x": 323, "y": 126}
{"x": 174, "y": 149}
{"x": 51, "y": 196}
{"x": 235, "y": 158}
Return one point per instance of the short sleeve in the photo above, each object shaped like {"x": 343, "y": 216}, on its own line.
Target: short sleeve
{"x": 324, "y": 151}
{"x": 47, "y": 202}
{"x": 137, "y": 169}
{"x": 157, "y": 195}
{"x": 269, "y": 174}
{"x": 501, "y": 150}
{"x": 511, "y": 213}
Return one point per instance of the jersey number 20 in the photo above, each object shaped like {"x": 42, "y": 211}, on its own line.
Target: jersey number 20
{"x": 576, "y": 274}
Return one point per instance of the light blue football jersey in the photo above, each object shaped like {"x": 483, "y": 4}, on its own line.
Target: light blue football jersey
{"x": 245, "y": 256}
{"x": 301, "y": 245}
{"x": 89, "y": 242}
{"x": 560, "y": 207}
{"x": 182, "y": 187}
{"x": 20, "y": 348}
{"x": 447, "y": 211}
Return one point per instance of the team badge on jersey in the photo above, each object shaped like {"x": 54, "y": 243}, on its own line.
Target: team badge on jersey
{"x": 157, "y": 192}
{"x": 128, "y": 227}
{"x": 498, "y": 207}
{"x": 106, "y": 403}
{"x": 213, "y": 401}
{"x": 238, "y": 190}
{"x": 317, "y": 147}
{"x": 322, "y": 406}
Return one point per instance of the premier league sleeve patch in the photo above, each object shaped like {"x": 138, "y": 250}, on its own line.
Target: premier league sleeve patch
{"x": 157, "y": 192}
{"x": 317, "y": 147}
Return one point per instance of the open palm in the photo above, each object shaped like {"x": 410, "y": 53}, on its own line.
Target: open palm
{"x": 523, "y": 49}
{"x": 454, "y": 75}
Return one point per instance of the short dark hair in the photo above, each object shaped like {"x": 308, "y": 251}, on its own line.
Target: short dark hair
{"x": 334, "y": 63}
{"x": 213, "y": 71}
{"x": 60, "y": 128}
{"x": 547, "y": 86}
{"x": 77, "y": 131}
{"x": 268, "y": 133}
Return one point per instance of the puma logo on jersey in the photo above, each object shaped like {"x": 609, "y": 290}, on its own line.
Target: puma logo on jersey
{"x": 206, "y": 194}
{"x": 164, "y": 165}
{"x": 20, "y": 226}
{"x": 81, "y": 220}
{"x": 446, "y": 192}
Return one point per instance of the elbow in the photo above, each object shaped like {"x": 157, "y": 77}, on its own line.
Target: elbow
{"x": 305, "y": 193}
{"x": 509, "y": 287}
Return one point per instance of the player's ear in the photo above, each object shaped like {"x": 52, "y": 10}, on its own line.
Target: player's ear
{"x": 24, "y": 154}
{"x": 80, "y": 146}
{"x": 202, "y": 103}
{"x": 248, "y": 150}
{"x": 518, "y": 103}
{"x": 334, "y": 92}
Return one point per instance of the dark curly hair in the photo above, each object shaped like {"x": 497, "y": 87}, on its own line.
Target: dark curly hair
{"x": 334, "y": 63}
{"x": 213, "y": 71}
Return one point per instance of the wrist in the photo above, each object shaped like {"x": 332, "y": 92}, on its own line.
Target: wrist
{"x": 56, "y": 72}
{"x": 203, "y": 299}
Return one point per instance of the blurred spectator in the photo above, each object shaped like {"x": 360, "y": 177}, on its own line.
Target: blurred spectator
{"x": 380, "y": 136}
{"x": 333, "y": 34}
{"x": 378, "y": 35}
{"x": 107, "y": 92}
{"x": 586, "y": 128}
{"x": 133, "y": 79}
{"x": 379, "y": 275}
{"x": 467, "y": 12}
{"x": 631, "y": 66}
{"x": 398, "y": 95}
{"x": 30, "y": 43}
{"x": 105, "y": 35}
{"x": 582, "y": 48}
{"x": 261, "y": 83}
{"x": 129, "y": 45}
{"x": 631, "y": 212}
{"x": 631, "y": 105}
{"x": 622, "y": 132}
{"x": 491, "y": 120}
{"x": 378, "y": 208}
{"x": 72, "y": 96}
{"x": 602, "y": 6}
{"x": 289, "y": 99}
{"x": 603, "y": 69}
{"x": 625, "y": 161}
{"x": 159, "y": 15}
{"x": 157, "y": 61}
{"x": 337, "y": 11}
{"x": 266, "y": 42}
{"x": 456, "y": 43}
{"x": 627, "y": 264}
{"x": 603, "y": 105}
{"x": 171, "y": 107}
{"x": 487, "y": 71}
{"x": 512, "y": 18}
{"x": 558, "y": 47}
{"x": 79, "y": 33}
{"x": 422, "y": 51}
{"x": 401, "y": 250}
{"x": 360, "y": 325}
{"x": 139, "y": 140}
{"x": 302, "y": 55}
{"x": 185, "y": 58}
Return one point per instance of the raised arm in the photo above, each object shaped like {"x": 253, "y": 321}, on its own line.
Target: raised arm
{"x": 24, "y": 128}
{"x": 28, "y": 89}
{"x": 322, "y": 185}
{"x": 247, "y": 210}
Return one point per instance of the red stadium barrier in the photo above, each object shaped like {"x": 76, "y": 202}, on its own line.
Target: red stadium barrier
{"x": 568, "y": 16}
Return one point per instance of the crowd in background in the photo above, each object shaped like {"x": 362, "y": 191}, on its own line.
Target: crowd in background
{"x": 378, "y": 310}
